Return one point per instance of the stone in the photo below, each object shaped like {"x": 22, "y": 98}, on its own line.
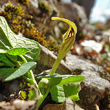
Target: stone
{"x": 78, "y": 63}
{"x": 70, "y": 105}
{"x": 41, "y": 19}
{"x": 54, "y": 107}
{"x": 87, "y": 4}
{"x": 67, "y": 105}
{"x": 95, "y": 87}
{"x": 6, "y": 106}
{"x": 24, "y": 105}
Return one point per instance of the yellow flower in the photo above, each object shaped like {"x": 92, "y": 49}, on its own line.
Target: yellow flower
{"x": 68, "y": 40}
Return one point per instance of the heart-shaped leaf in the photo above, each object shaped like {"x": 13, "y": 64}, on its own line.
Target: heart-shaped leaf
{"x": 9, "y": 40}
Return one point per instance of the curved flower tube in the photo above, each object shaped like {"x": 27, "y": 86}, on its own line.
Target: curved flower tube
{"x": 68, "y": 40}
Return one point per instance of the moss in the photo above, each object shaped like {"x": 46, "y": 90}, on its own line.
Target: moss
{"x": 45, "y": 7}
{"x": 15, "y": 17}
{"x": 52, "y": 46}
{"x": 31, "y": 32}
{"x": 24, "y": 2}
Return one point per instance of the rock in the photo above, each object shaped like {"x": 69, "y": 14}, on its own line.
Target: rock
{"x": 18, "y": 105}
{"x": 42, "y": 19}
{"x": 34, "y": 3}
{"x": 54, "y": 107}
{"x": 77, "y": 63}
{"x": 86, "y": 4}
{"x": 67, "y": 105}
{"x": 24, "y": 105}
{"x": 6, "y": 106}
{"x": 70, "y": 105}
{"x": 94, "y": 88}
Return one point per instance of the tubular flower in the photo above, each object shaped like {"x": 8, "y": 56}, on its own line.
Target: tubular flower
{"x": 68, "y": 40}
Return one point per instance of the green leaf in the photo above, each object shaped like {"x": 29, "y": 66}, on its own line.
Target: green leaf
{"x": 52, "y": 76}
{"x": 17, "y": 51}
{"x": 2, "y": 64}
{"x": 31, "y": 94}
{"x": 66, "y": 78}
{"x": 33, "y": 49}
{"x": 54, "y": 81}
{"x": 12, "y": 58}
{"x": 71, "y": 79}
{"x": 23, "y": 94}
{"x": 9, "y": 40}
{"x": 5, "y": 61}
{"x": 23, "y": 69}
{"x": 4, "y": 42}
{"x": 5, "y": 72}
{"x": 59, "y": 93}
{"x": 71, "y": 91}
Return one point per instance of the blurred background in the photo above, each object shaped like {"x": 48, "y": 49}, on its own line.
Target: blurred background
{"x": 96, "y": 10}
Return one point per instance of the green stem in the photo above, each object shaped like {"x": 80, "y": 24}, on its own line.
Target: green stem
{"x": 41, "y": 98}
{"x": 25, "y": 61}
{"x": 55, "y": 66}
{"x": 30, "y": 78}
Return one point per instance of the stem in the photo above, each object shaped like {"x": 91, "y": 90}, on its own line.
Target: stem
{"x": 55, "y": 66}
{"x": 33, "y": 81}
{"x": 42, "y": 97}
{"x": 30, "y": 78}
{"x": 25, "y": 61}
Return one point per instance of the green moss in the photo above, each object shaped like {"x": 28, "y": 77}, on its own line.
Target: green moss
{"x": 45, "y": 7}
{"x": 15, "y": 17}
{"x": 52, "y": 46}
{"x": 31, "y": 32}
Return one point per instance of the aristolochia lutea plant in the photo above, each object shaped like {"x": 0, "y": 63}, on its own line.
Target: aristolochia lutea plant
{"x": 68, "y": 40}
